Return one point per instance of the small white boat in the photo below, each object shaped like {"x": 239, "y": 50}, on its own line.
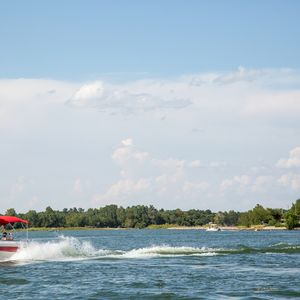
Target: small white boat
{"x": 213, "y": 229}
{"x": 8, "y": 246}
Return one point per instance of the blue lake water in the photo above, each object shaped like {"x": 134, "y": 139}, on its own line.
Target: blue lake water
{"x": 154, "y": 264}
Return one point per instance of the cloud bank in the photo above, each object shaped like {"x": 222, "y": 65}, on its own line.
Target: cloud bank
{"x": 217, "y": 140}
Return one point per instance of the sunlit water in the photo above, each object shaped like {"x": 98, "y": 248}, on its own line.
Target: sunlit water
{"x": 154, "y": 264}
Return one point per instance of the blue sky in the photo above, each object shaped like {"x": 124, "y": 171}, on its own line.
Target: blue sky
{"x": 84, "y": 39}
{"x": 190, "y": 104}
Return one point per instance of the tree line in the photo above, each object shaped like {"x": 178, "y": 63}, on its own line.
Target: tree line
{"x": 142, "y": 216}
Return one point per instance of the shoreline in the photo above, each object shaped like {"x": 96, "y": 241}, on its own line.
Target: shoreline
{"x": 170, "y": 227}
{"x": 229, "y": 228}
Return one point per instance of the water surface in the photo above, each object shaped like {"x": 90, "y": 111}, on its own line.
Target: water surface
{"x": 154, "y": 264}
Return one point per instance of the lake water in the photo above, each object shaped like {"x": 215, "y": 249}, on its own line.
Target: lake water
{"x": 154, "y": 264}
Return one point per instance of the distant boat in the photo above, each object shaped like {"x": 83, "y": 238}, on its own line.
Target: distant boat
{"x": 213, "y": 229}
{"x": 8, "y": 246}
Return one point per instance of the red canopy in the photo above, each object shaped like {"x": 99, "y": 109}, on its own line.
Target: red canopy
{"x": 10, "y": 219}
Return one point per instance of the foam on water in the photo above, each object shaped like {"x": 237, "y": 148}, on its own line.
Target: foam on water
{"x": 64, "y": 248}
{"x": 157, "y": 251}
{"x": 70, "y": 248}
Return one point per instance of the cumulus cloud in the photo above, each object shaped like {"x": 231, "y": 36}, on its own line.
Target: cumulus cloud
{"x": 127, "y": 142}
{"x": 248, "y": 184}
{"x": 120, "y": 192}
{"x": 249, "y": 92}
{"x": 236, "y": 181}
{"x": 290, "y": 180}
{"x": 88, "y": 94}
{"x": 143, "y": 174}
{"x": 27, "y": 101}
{"x": 292, "y": 161}
{"x": 276, "y": 103}
{"x": 262, "y": 183}
{"x": 120, "y": 99}
{"x": 49, "y": 116}
{"x": 246, "y": 91}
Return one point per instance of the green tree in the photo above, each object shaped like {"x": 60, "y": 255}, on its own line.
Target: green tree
{"x": 33, "y": 218}
{"x": 245, "y": 219}
{"x": 290, "y": 220}
{"x": 11, "y": 212}
{"x": 292, "y": 216}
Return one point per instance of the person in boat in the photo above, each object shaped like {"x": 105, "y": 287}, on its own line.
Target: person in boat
{"x": 10, "y": 236}
{"x": 4, "y": 236}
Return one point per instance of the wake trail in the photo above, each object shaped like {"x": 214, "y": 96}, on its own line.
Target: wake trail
{"x": 70, "y": 248}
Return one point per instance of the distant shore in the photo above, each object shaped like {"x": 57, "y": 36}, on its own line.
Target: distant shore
{"x": 230, "y": 228}
{"x": 165, "y": 226}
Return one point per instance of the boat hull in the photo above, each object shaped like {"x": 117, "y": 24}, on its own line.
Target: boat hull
{"x": 8, "y": 249}
{"x": 213, "y": 229}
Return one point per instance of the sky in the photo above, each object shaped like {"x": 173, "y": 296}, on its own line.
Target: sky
{"x": 178, "y": 104}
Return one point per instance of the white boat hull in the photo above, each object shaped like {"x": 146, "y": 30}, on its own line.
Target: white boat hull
{"x": 8, "y": 249}
{"x": 213, "y": 229}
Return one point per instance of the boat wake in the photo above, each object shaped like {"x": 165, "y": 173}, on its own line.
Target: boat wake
{"x": 63, "y": 249}
{"x": 70, "y": 248}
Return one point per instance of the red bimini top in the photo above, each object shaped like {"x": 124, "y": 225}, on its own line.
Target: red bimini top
{"x": 10, "y": 219}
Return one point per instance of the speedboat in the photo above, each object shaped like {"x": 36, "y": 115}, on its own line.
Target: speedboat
{"x": 8, "y": 246}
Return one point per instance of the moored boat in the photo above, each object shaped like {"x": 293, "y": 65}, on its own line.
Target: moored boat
{"x": 8, "y": 246}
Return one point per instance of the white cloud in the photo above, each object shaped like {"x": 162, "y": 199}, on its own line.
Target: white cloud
{"x": 127, "y": 153}
{"x": 122, "y": 190}
{"x": 222, "y": 95}
{"x": 127, "y": 142}
{"x": 87, "y": 94}
{"x": 236, "y": 181}
{"x": 262, "y": 183}
{"x": 276, "y": 103}
{"x": 27, "y": 102}
{"x": 45, "y": 138}
{"x": 245, "y": 92}
{"x": 292, "y": 161}
{"x": 155, "y": 177}
{"x": 248, "y": 184}
{"x": 195, "y": 187}
{"x": 291, "y": 180}
{"x": 120, "y": 99}
{"x": 144, "y": 176}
